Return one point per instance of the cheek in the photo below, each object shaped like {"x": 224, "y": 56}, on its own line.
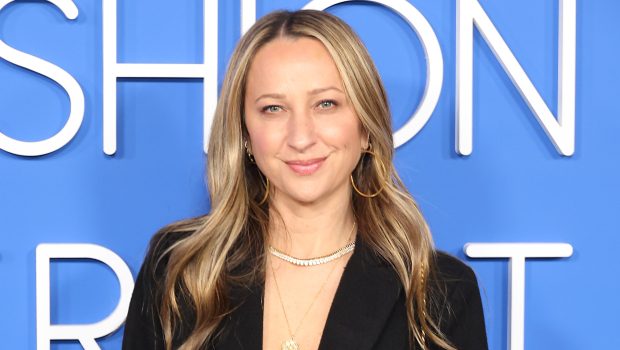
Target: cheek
{"x": 264, "y": 142}
{"x": 255, "y": 133}
{"x": 260, "y": 150}
{"x": 346, "y": 134}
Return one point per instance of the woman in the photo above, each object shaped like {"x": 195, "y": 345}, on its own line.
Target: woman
{"x": 312, "y": 240}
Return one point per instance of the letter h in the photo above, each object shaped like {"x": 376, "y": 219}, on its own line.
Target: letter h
{"x": 112, "y": 70}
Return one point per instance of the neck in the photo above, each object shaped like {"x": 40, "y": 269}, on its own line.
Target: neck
{"x": 311, "y": 231}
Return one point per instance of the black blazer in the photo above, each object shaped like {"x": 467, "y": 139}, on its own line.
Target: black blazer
{"x": 368, "y": 310}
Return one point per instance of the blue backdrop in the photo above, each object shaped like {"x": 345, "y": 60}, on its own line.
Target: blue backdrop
{"x": 514, "y": 187}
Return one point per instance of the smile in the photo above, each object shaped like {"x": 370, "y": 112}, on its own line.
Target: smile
{"x": 306, "y": 167}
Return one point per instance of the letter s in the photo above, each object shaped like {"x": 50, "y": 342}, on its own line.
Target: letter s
{"x": 64, "y": 79}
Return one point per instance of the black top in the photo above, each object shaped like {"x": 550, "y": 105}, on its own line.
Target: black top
{"x": 368, "y": 310}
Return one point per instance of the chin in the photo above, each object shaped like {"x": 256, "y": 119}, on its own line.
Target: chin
{"x": 308, "y": 199}
{"x": 311, "y": 192}
{"x": 303, "y": 198}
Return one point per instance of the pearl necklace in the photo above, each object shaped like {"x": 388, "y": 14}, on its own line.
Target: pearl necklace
{"x": 314, "y": 261}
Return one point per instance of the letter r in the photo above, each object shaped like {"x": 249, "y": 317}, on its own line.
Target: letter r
{"x": 85, "y": 333}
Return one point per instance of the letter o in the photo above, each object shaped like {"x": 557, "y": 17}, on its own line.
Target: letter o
{"x": 434, "y": 62}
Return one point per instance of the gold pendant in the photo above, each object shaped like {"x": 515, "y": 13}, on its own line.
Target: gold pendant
{"x": 290, "y": 345}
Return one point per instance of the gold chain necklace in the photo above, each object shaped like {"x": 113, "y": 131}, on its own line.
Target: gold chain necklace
{"x": 290, "y": 343}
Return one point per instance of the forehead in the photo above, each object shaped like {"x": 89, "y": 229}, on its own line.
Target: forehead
{"x": 288, "y": 63}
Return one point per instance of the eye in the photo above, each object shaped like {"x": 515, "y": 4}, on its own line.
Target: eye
{"x": 271, "y": 109}
{"x": 325, "y": 104}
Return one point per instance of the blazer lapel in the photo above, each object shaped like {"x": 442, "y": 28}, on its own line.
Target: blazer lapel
{"x": 364, "y": 299}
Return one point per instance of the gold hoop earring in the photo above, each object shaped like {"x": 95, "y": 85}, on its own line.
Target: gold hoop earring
{"x": 247, "y": 151}
{"x": 266, "y": 195}
{"x": 372, "y": 195}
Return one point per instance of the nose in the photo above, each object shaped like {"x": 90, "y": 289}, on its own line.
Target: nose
{"x": 301, "y": 131}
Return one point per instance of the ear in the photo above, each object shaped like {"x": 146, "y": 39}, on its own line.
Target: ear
{"x": 247, "y": 145}
{"x": 365, "y": 139}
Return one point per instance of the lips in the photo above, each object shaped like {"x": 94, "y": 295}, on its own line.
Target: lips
{"x": 306, "y": 167}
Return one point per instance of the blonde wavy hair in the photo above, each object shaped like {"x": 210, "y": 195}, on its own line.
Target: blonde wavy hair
{"x": 203, "y": 265}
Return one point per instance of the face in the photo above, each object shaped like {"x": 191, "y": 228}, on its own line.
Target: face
{"x": 304, "y": 133}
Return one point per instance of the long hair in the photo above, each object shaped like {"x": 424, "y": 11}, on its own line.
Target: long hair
{"x": 202, "y": 266}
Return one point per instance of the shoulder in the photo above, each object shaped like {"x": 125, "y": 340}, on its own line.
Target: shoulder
{"x": 455, "y": 281}
{"x": 153, "y": 270}
{"x": 458, "y": 306}
{"x": 142, "y": 326}
{"x": 163, "y": 242}
{"x": 156, "y": 260}
{"x": 452, "y": 270}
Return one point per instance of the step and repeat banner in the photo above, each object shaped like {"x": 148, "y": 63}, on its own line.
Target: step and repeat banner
{"x": 505, "y": 117}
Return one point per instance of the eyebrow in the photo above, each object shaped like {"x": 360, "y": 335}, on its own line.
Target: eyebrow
{"x": 319, "y": 90}
{"x": 311, "y": 92}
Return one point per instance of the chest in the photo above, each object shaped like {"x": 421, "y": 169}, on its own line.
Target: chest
{"x": 361, "y": 308}
{"x": 296, "y": 305}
